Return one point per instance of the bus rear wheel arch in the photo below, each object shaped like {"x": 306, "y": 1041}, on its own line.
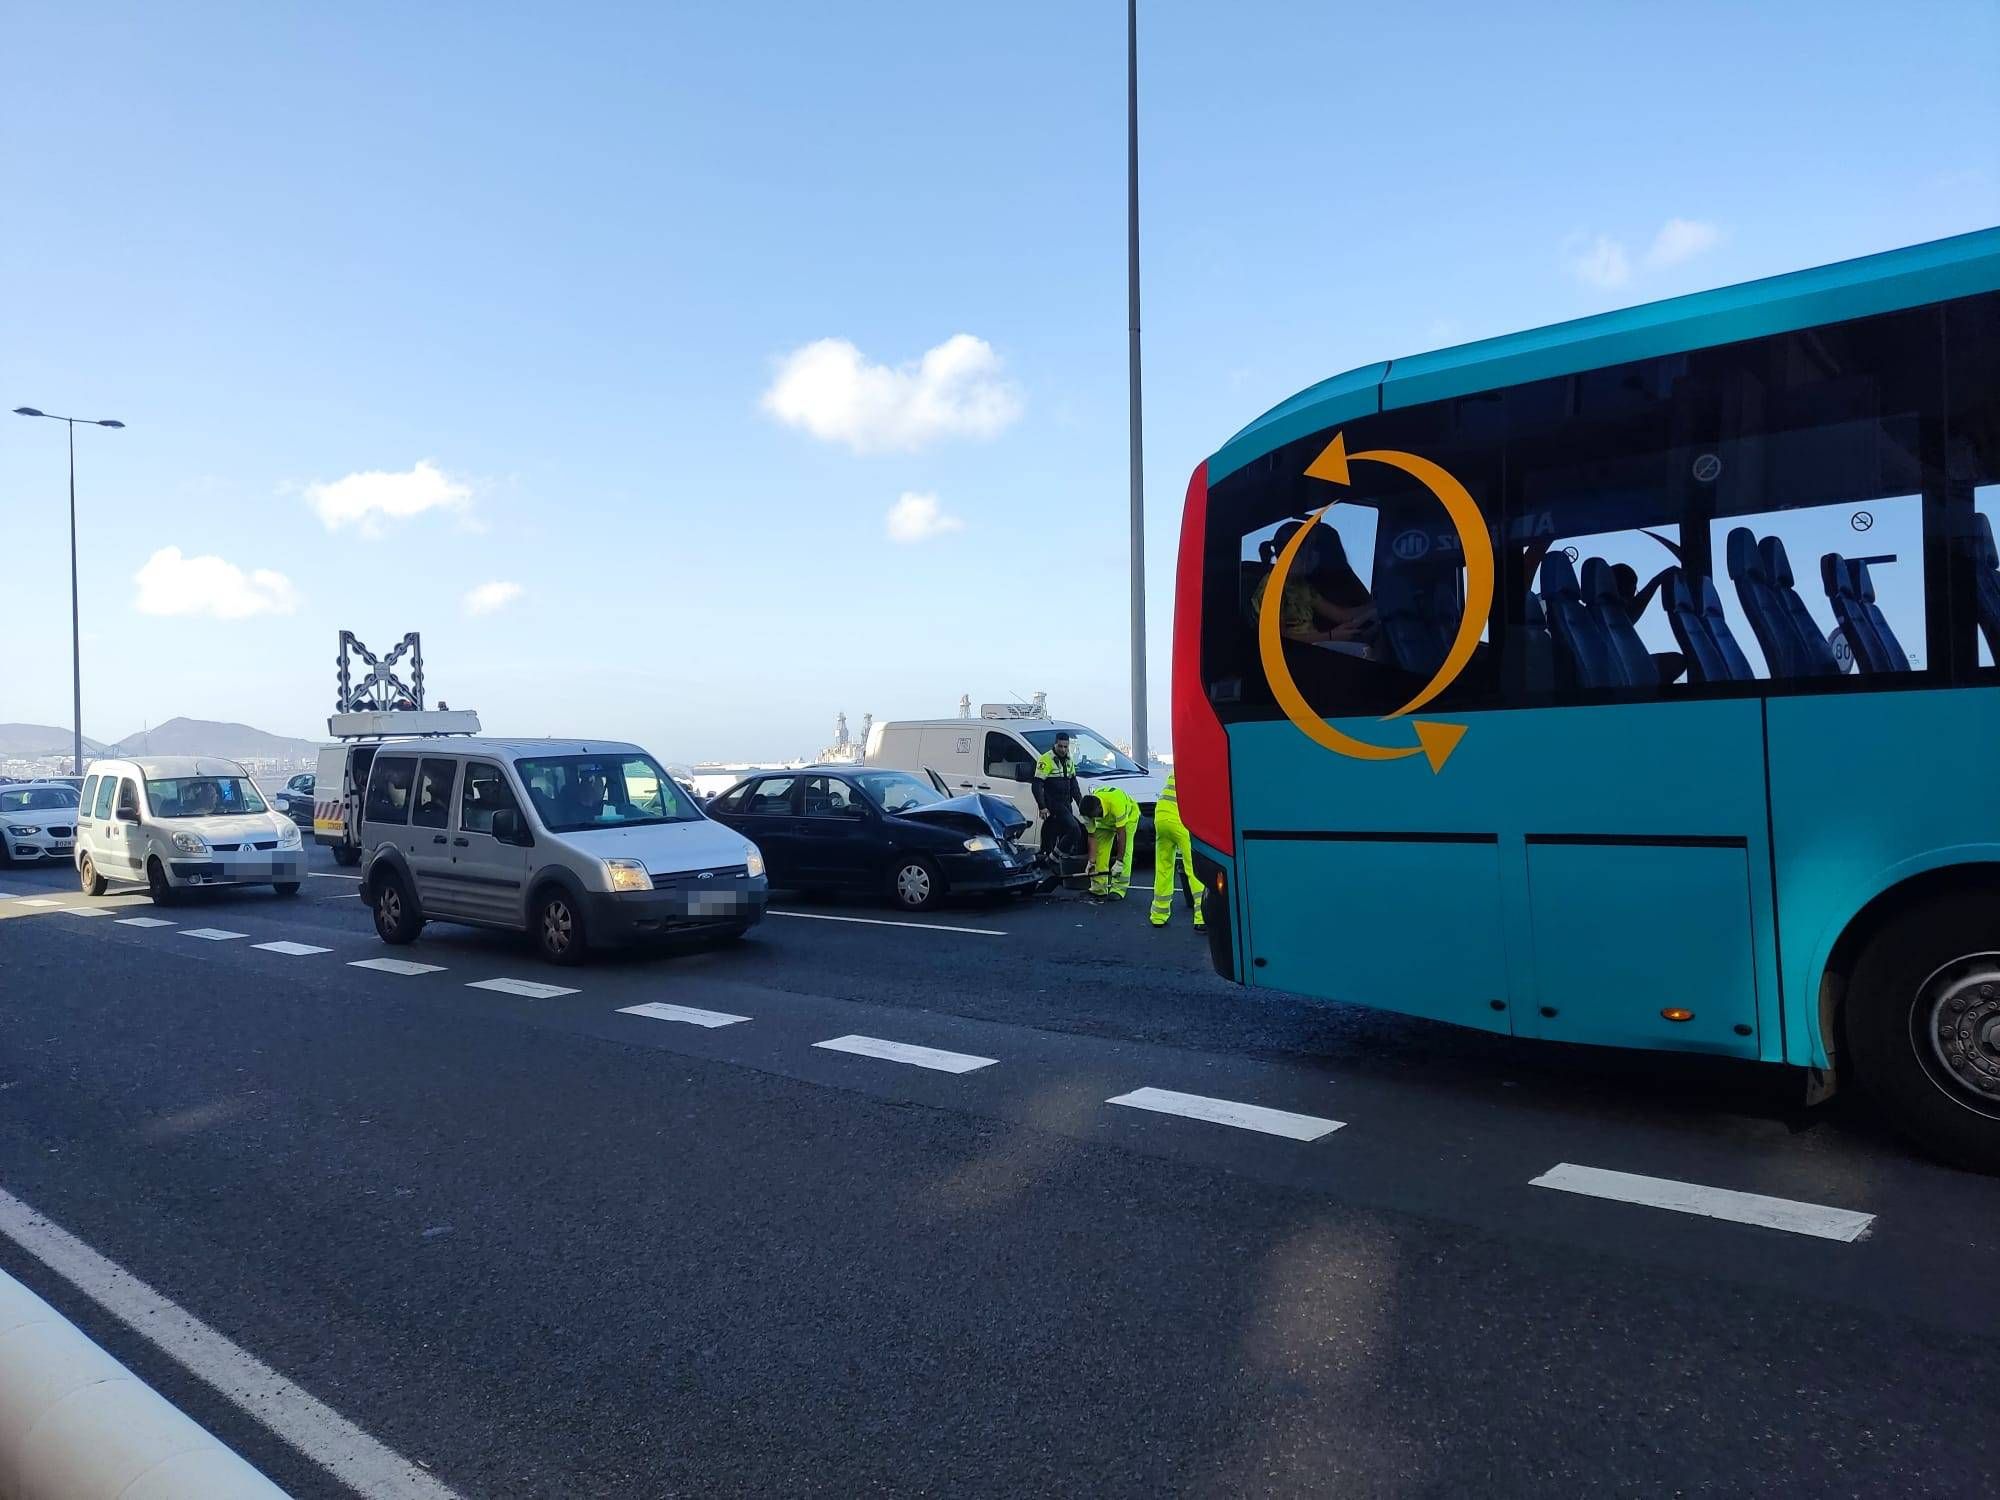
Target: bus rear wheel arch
{"x": 1922, "y": 1022}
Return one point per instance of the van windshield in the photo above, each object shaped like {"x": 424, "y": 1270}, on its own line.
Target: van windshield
{"x": 1092, "y": 756}
{"x": 575, "y": 792}
{"x": 203, "y": 796}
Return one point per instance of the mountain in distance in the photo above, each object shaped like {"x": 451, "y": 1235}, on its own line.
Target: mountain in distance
{"x": 206, "y": 737}
{"x": 28, "y": 740}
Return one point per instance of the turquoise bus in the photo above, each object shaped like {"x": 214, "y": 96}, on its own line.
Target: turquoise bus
{"x": 1630, "y": 681}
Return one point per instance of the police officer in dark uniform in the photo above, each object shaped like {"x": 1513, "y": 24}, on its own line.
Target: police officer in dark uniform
{"x": 1059, "y": 797}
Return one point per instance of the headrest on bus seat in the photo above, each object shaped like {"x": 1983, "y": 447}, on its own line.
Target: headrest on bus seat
{"x": 1863, "y": 585}
{"x": 1777, "y": 566}
{"x": 1741, "y": 554}
{"x": 1834, "y": 576}
{"x": 1679, "y": 593}
{"x": 1600, "y": 581}
{"x": 1558, "y": 577}
{"x": 1984, "y": 553}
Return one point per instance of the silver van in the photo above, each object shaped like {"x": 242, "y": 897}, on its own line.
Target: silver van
{"x": 580, "y": 843}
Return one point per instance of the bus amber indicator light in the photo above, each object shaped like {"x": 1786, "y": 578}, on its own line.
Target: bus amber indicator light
{"x": 1675, "y": 1013}
{"x": 1435, "y": 742}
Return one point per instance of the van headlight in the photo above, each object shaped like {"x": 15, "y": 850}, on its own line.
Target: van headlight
{"x": 753, "y": 862}
{"x": 627, "y": 875}
{"x": 288, "y": 836}
{"x": 980, "y": 844}
{"x": 190, "y": 843}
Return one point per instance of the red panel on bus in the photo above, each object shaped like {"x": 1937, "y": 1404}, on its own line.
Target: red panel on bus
{"x": 1201, "y": 748}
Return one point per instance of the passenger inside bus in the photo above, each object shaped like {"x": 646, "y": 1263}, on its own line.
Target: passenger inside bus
{"x": 1324, "y": 601}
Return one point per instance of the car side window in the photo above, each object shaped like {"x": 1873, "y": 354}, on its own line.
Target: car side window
{"x": 434, "y": 782}
{"x": 486, "y": 793}
{"x": 389, "y": 789}
{"x": 731, "y": 801}
{"x": 107, "y": 788}
{"x": 771, "y": 797}
{"x": 830, "y": 797}
{"x": 1006, "y": 759}
{"x": 128, "y": 801}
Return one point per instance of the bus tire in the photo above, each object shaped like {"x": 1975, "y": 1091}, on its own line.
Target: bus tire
{"x": 1923, "y": 1022}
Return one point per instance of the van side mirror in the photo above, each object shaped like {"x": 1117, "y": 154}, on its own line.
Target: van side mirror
{"x": 507, "y": 827}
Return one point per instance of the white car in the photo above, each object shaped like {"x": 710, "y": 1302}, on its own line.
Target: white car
{"x": 37, "y": 820}
{"x": 182, "y": 821}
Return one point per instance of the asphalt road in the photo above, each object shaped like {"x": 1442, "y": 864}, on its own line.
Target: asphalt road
{"x": 543, "y": 1246}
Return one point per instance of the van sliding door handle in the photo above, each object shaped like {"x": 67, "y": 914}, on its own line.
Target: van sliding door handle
{"x": 462, "y": 843}
{"x": 437, "y": 838}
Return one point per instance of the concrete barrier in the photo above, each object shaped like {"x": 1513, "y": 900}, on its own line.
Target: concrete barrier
{"x": 77, "y": 1425}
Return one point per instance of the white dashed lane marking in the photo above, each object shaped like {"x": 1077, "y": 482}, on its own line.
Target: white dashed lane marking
{"x": 85, "y": 911}
{"x": 660, "y": 1011}
{"x": 213, "y": 934}
{"x": 532, "y": 989}
{"x": 395, "y": 966}
{"x": 290, "y": 950}
{"x": 904, "y": 1052}
{"x": 40, "y": 901}
{"x": 1230, "y": 1112}
{"x": 820, "y": 916}
{"x": 1709, "y": 1202}
{"x": 144, "y": 922}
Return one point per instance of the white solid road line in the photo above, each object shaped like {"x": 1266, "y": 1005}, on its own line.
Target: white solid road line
{"x": 1230, "y": 1112}
{"x": 1815, "y": 1219}
{"x": 395, "y": 966}
{"x": 40, "y": 901}
{"x": 144, "y": 922}
{"x": 531, "y": 988}
{"x": 660, "y": 1011}
{"x": 904, "y": 1052}
{"x": 820, "y": 916}
{"x": 328, "y": 875}
{"x": 213, "y": 934}
{"x": 316, "y": 1430}
{"x": 291, "y": 950}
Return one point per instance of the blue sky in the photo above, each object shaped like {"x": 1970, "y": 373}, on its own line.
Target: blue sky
{"x": 580, "y": 266}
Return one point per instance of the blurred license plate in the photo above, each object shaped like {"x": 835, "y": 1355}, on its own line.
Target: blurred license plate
{"x": 711, "y": 903}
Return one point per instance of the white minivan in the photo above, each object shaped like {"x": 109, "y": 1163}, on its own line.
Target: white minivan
{"x": 580, "y": 844}
{"x": 179, "y": 821}
{"x": 996, "y": 754}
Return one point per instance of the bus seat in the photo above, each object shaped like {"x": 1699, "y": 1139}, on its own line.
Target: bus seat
{"x": 1986, "y": 582}
{"x": 1419, "y": 617}
{"x": 1583, "y": 652}
{"x": 1612, "y": 606}
{"x": 1684, "y": 616}
{"x": 1893, "y": 657}
{"x": 1760, "y": 603}
{"x": 1718, "y": 631}
{"x": 1814, "y": 656}
{"x": 1836, "y": 577}
{"x": 1538, "y": 662}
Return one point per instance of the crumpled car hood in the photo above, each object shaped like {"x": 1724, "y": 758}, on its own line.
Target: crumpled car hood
{"x": 975, "y": 813}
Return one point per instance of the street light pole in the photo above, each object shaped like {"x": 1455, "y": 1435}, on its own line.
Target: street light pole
{"x": 75, "y": 614}
{"x": 1139, "y": 748}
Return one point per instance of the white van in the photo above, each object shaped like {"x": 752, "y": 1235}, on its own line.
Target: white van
{"x": 181, "y": 821}
{"x": 996, "y": 754}
{"x": 581, "y": 844}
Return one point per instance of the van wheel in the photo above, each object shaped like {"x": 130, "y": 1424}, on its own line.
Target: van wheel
{"x": 156, "y": 882}
{"x": 559, "y": 928}
{"x": 346, "y": 855}
{"x": 914, "y": 883}
{"x": 397, "y": 920}
{"x": 88, "y": 878}
{"x": 1923, "y": 1021}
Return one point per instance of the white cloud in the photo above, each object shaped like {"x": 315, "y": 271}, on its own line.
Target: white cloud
{"x": 1598, "y": 261}
{"x": 829, "y": 389}
{"x": 170, "y": 584}
{"x": 917, "y": 518}
{"x": 492, "y": 596}
{"x": 368, "y": 498}
{"x": 1682, "y": 239}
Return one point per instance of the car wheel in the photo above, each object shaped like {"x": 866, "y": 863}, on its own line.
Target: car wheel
{"x": 286, "y": 887}
{"x": 163, "y": 892}
{"x": 559, "y": 928}
{"x": 397, "y": 920}
{"x": 88, "y": 878}
{"x": 1923, "y": 1020}
{"x": 346, "y": 855}
{"x": 914, "y": 883}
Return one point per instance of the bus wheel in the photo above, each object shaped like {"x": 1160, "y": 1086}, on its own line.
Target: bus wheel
{"x": 1924, "y": 1025}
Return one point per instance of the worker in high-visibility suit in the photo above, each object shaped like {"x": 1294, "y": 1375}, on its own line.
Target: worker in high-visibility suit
{"x": 1170, "y": 845}
{"x": 1110, "y": 829}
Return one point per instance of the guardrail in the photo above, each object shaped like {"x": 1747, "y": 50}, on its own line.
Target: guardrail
{"x": 77, "y": 1425}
